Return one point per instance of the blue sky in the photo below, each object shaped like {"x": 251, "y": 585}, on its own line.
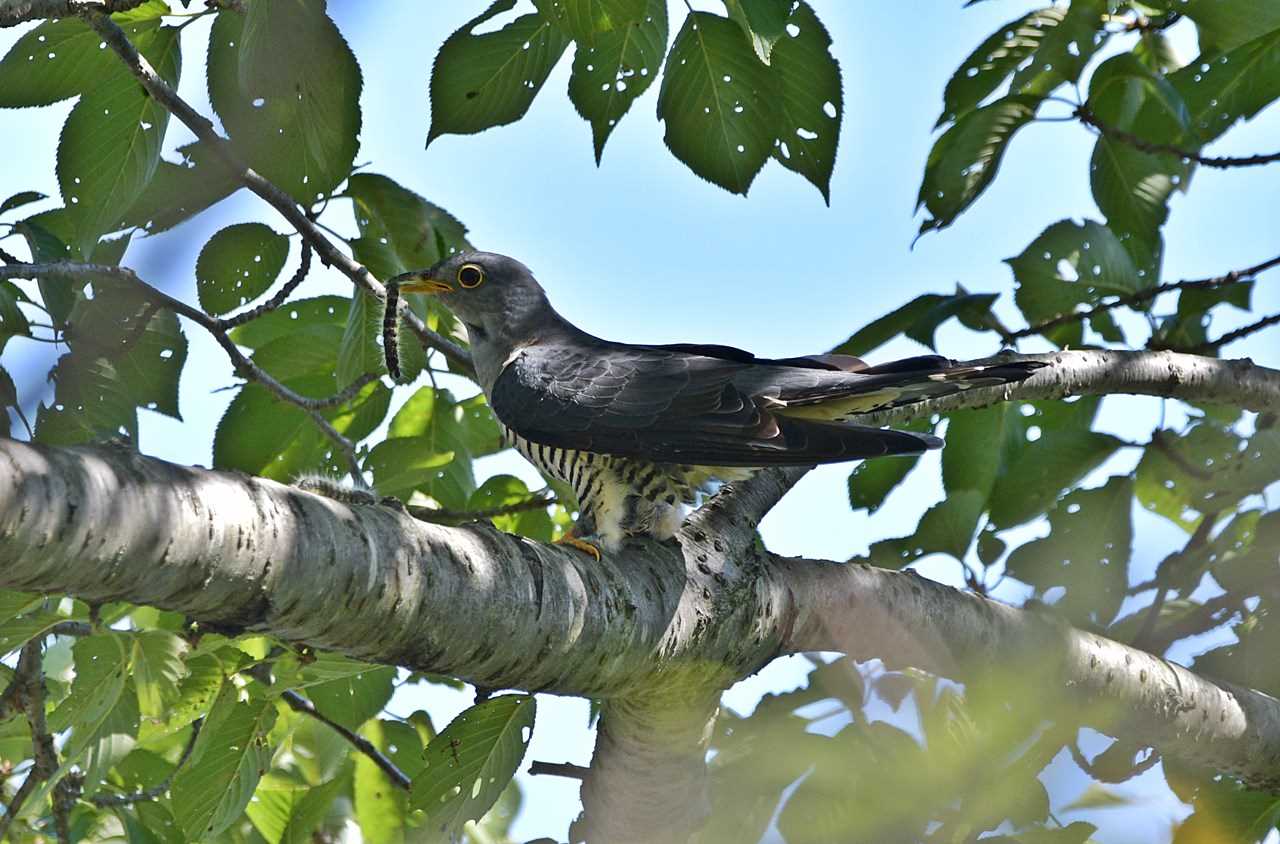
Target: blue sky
{"x": 642, "y": 250}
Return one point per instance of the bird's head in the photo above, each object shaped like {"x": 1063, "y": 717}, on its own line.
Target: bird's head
{"x": 496, "y": 297}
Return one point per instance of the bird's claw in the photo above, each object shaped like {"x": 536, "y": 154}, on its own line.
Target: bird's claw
{"x": 583, "y": 545}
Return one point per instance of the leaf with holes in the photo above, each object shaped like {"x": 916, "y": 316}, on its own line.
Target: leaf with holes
{"x": 1221, "y": 90}
{"x": 318, "y": 313}
{"x": 1086, "y": 552}
{"x": 811, "y": 102}
{"x": 481, "y": 81}
{"x": 1064, "y": 51}
{"x": 719, "y": 103}
{"x": 230, "y": 756}
{"x": 965, "y": 159}
{"x": 19, "y": 199}
{"x": 110, "y": 144}
{"x": 616, "y": 68}
{"x": 237, "y": 265}
{"x": 179, "y": 191}
{"x": 352, "y": 700}
{"x": 469, "y": 764}
{"x": 287, "y": 88}
{"x": 586, "y": 21}
{"x": 91, "y": 401}
{"x": 399, "y": 230}
{"x": 1226, "y": 24}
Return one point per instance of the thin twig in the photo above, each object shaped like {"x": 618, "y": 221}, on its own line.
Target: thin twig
{"x": 242, "y": 364}
{"x": 203, "y": 129}
{"x": 1238, "y": 334}
{"x": 105, "y": 801}
{"x": 29, "y": 678}
{"x": 432, "y": 514}
{"x": 298, "y": 703}
{"x": 1233, "y": 277}
{"x": 1198, "y": 540}
{"x": 1086, "y": 116}
{"x": 558, "y": 769}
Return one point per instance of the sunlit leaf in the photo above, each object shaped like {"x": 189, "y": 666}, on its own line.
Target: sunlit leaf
{"x": 811, "y": 100}
{"x": 237, "y": 265}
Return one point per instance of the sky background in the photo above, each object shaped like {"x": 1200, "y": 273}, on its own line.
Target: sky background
{"x": 640, "y": 249}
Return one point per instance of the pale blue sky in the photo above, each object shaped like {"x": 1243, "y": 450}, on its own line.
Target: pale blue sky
{"x": 642, "y": 250}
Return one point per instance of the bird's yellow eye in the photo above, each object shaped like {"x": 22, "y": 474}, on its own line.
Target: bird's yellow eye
{"x": 470, "y": 275}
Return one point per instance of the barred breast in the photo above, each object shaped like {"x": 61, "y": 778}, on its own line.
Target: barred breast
{"x": 617, "y": 496}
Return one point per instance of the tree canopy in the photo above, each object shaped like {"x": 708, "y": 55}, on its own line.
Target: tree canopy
{"x": 163, "y": 688}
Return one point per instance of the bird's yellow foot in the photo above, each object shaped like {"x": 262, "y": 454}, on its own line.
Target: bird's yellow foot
{"x": 582, "y": 545}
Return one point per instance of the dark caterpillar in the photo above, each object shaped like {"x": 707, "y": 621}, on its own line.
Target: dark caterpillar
{"x": 391, "y": 330}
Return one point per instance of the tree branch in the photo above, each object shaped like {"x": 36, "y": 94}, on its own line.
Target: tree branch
{"x": 160, "y": 90}
{"x": 1087, "y": 117}
{"x": 298, "y": 703}
{"x": 14, "y": 12}
{"x": 29, "y": 679}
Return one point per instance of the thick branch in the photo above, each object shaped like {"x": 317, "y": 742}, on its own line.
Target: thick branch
{"x": 1241, "y": 382}
{"x": 870, "y": 612}
{"x": 14, "y": 12}
{"x": 330, "y": 254}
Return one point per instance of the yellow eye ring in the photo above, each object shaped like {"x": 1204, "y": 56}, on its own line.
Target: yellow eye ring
{"x": 470, "y": 275}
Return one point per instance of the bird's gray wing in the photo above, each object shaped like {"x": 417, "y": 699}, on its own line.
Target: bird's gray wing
{"x": 671, "y": 406}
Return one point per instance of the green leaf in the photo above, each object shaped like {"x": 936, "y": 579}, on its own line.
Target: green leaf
{"x": 763, "y": 21}
{"x": 503, "y": 490}
{"x": 429, "y": 449}
{"x": 811, "y": 101}
{"x": 91, "y": 402}
{"x": 1067, "y": 265}
{"x": 350, "y": 701}
{"x": 1086, "y": 551}
{"x": 158, "y": 669}
{"x": 610, "y": 72}
{"x": 237, "y": 265}
{"x": 195, "y": 694}
{"x": 1221, "y": 90}
{"x": 399, "y": 230}
{"x": 16, "y": 632}
{"x": 60, "y": 59}
{"x": 719, "y": 103}
{"x": 481, "y": 81}
{"x": 179, "y": 191}
{"x": 13, "y": 322}
{"x": 480, "y": 429}
{"x": 994, "y": 61}
{"x": 287, "y": 88}
{"x": 110, "y": 144}
{"x": 1226, "y": 811}
{"x": 872, "y": 480}
{"x": 469, "y": 764}
{"x": 229, "y": 757}
{"x": 1244, "y": 555}
{"x": 381, "y": 806}
{"x": 919, "y": 319}
{"x": 965, "y": 159}
{"x": 1064, "y": 51}
{"x": 403, "y": 465}
{"x": 287, "y": 811}
{"x": 101, "y": 670}
{"x": 587, "y": 20}
{"x": 19, "y": 199}
{"x": 1226, "y": 24}
{"x": 283, "y": 322}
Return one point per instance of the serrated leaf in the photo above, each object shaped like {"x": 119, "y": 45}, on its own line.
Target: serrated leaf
{"x": 179, "y": 191}
{"x": 587, "y": 20}
{"x": 158, "y": 669}
{"x": 110, "y": 144}
{"x": 102, "y": 721}
{"x": 1221, "y": 90}
{"x": 399, "y": 230}
{"x": 811, "y": 100}
{"x": 469, "y": 764}
{"x": 994, "y": 61}
{"x": 615, "y": 68}
{"x": 965, "y": 159}
{"x": 481, "y": 81}
{"x": 1086, "y": 551}
{"x": 192, "y": 699}
{"x": 59, "y": 59}
{"x": 19, "y": 199}
{"x": 429, "y": 449}
{"x": 287, "y": 88}
{"x": 237, "y": 265}
{"x": 228, "y": 759}
{"x": 354, "y": 699}
{"x": 719, "y": 103}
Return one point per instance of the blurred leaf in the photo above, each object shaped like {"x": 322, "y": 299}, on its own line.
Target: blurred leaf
{"x": 469, "y": 764}
{"x": 1156, "y": 51}
{"x": 919, "y": 319}
{"x": 91, "y": 402}
{"x": 1219, "y": 91}
{"x": 1246, "y": 554}
{"x": 287, "y": 88}
{"x": 195, "y": 694}
{"x": 719, "y": 103}
{"x": 764, "y": 22}
{"x": 13, "y": 323}
{"x": 1224, "y": 811}
{"x": 811, "y": 101}
{"x": 965, "y": 159}
{"x": 1225, "y": 25}
{"x": 615, "y": 69}
{"x": 381, "y": 807}
{"x": 1064, "y": 50}
{"x": 158, "y": 669}
{"x": 1086, "y": 551}
{"x": 285, "y": 811}
{"x": 19, "y": 199}
{"x": 237, "y": 265}
{"x": 350, "y": 701}
{"x": 587, "y": 20}
{"x": 871, "y": 481}
{"x": 503, "y": 490}
{"x": 110, "y": 144}
{"x": 229, "y": 757}
{"x": 481, "y": 81}
{"x": 179, "y": 191}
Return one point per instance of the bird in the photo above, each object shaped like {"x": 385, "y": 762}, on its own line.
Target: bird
{"x": 639, "y": 431}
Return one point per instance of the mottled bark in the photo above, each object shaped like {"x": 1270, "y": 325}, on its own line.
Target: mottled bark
{"x": 14, "y": 12}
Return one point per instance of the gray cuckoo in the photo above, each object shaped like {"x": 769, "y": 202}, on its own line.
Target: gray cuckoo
{"x": 638, "y": 430}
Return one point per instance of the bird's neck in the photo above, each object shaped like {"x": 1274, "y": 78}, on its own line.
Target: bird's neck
{"x": 495, "y": 341}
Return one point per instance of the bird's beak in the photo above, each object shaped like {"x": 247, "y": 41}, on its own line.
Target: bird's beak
{"x": 420, "y": 281}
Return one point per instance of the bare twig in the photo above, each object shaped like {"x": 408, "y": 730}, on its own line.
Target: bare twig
{"x": 242, "y": 364}
{"x": 298, "y": 703}
{"x": 203, "y": 129}
{"x": 1238, "y": 334}
{"x": 1138, "y": 297}
{"x": 30, "y": 691}
{"x": 432, "y": 514}
{"x": 1086, "y": 116}
{"x": 104, "y": 801}
{"x": 558, "y": 769}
